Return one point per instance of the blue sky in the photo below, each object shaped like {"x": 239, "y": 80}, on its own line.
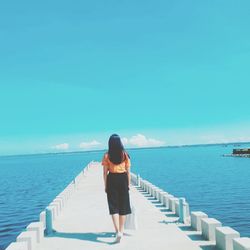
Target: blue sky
{"x": 156, "y": 72}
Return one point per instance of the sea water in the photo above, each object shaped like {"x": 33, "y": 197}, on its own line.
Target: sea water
{"x": 216, "y": 185}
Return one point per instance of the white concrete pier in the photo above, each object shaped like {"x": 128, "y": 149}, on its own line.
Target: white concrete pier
{"x": 86, "y": 224}
{"x": 78, "y": 218}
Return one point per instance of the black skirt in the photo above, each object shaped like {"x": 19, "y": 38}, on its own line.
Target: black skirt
{"x": 118, "y": 193}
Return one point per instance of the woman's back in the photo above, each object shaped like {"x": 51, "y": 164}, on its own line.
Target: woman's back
{"x": 116, "y": 168}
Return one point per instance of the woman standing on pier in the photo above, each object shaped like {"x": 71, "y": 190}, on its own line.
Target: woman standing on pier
{"x": 116, "y": 174}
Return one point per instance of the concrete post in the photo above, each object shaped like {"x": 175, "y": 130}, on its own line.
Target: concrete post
{"x": 29, "y": 237}
{"x": 196, "y": 219}
{"x": 158, "y": 194}
{"x": 147, "y": 185}
{"x": 152, "y": 190}
{"x": 241, "y": 243}
{"x": 42, "y": 218}
{"x": 224, "y": 237}
{"x": 166, "y": 198}
{"x": 56, "y": 209}
{"x": 186, "y": 212}
{"x": 38, "y": 228}
{"x": 208, "y": 226}
{"x": 176, "y": 205}
{"x": 181, "y": 209}
{"x": 84, "y": 172}
{"x": 59, "y": 200}
{"x": 49, "y": 225}
{"x": 172, "y": 203}
{"x": 162, "y": 193}
{"x": 138, "y": 180}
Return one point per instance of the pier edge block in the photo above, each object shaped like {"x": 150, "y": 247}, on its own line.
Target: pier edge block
{"x": 42, "y": 218}
{"x": 224, "y": 237}
{"x": 208, "y": 226}
{"x": 172, "y": 203}
{"x": 30, "y": 237}
{"x": 241, "y": 243}
{"x": 196, "y": 219}
{"x": 38, "y": 228}
{"x": 22, "y": 245}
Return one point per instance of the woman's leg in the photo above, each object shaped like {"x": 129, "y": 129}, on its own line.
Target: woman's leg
{"x": 115, "y": 218}
{"x": 121, "y": 222}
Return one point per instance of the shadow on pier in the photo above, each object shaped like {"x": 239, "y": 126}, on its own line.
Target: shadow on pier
{"x": 102, "y": 237}
{"x": 174, "y": 219}
{"x": 159, "y": 205}
{"x": 197, "y": 236}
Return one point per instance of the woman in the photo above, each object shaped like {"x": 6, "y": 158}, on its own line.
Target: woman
{"x": 116, "y": 174}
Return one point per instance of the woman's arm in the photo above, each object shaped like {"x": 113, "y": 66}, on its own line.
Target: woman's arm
{"x": 127, "y": 166}
{"x": 128, "y": 173}
{"x": 105, "y": 174}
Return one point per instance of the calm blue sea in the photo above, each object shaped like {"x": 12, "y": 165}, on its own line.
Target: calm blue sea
{"x": 217, "y": 185}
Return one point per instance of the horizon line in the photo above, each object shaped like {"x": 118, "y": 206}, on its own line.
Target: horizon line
{"x": 134, "y": 148}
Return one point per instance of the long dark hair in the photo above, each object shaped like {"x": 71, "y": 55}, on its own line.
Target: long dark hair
{"x": 116, "y": 150}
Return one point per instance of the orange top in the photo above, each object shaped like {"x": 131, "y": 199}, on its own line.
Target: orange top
{"x": 116, "y": 168}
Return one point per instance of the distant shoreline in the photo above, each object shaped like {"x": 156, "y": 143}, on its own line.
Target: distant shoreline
{"x": 142, "y": 148}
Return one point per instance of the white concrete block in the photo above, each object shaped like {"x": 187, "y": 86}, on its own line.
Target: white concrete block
{"x": 148, "y": 188}
{"x": 69, "y": 189}
{"x": 241, "y": 243}
{"x": 186, "y": 212}
{"x": 49, "y": 220}
{"x": 142, "y": 184}
{"x": 79, "y": 177}
{"x": 56, "y": 208}
{"x": 196, "y": 219}
{"x": 187, "y": 209}
{"x": 176, "y": 209}
{"x": 171, "y": 201}
{"x": 162, "y": 193}
{"x": 155, "y": 189}
{"x": 18, "y": 246}
{"x": 138, "y": 180}
{"x": 38, "y": 228}
{"x": 42, "y": 218}
{"x": 30, "y": 237}
{"x": 84, "y": 172}
{"x": 61, "y": 200}
{"x": 166, "y": 198}
{"x": 224, "y": 237}
{"x": 57, "y": 204}
{"x": 149, "y": 185}
{"x": 145, "y": 185}
{"x": 53, "y": 211}
{"x": 157, "y": 193}
{"x": 208, "y": 226}
{"x": 64, "y": 196}
{"x": 152, "y": 187}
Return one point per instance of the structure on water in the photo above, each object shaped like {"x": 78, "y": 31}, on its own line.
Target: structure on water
{"x": 240, "y": 152}
{"x": 78, "y": 219}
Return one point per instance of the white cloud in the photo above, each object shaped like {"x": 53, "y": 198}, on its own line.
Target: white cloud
{"x": 63, "y": 146}
{"x": 141, "y": 140}
{"x": 125, "y": 141}
{"x": 88, "y": 145}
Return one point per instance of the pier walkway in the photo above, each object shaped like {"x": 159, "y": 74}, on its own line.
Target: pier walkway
{"x": 85, "y": 223}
